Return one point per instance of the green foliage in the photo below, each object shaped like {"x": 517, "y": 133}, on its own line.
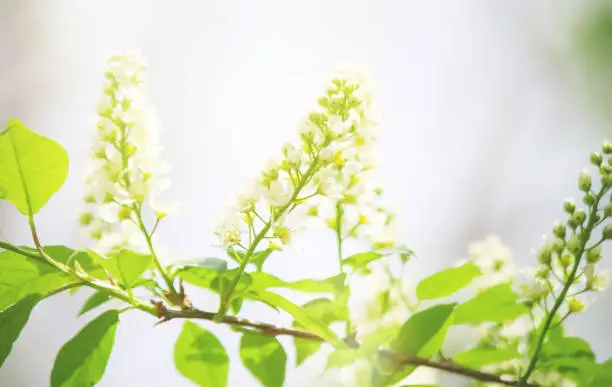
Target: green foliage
{"x": 25, "y": 181}
{"x": 21, "y": 276}
{"x": 496, "y": 304}
{"x": 264, "y": 357}
{"x": 423, "y": 333}
{"x": 480, "y": 357}
{"x": 361, "y": 260}
{"x": 447, "y": 282}
{"x": 93, "y": 301}
{"x": 83, "y": 359}
{"x": 602, "y": 375}
{"x": 132, "y": 265}
{"x": 341, "y": 358}
{"x": 12, "y": 321}
{"x": 200, "y": 356}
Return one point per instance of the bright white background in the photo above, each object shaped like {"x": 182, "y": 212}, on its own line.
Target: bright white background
{"x": 485, "y": 131}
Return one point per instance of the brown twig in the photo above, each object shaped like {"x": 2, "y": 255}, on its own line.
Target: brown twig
{"x": 272, "y": 330}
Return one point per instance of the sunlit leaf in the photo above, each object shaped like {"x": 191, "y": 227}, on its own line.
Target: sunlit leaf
{"x": 264, "y": 357}
{"x": 132, "y": 265}
{"x": 341, "y": 358}
{"x": 21, "y": 276}
{"x": 360, "y": 260}
{"x": 496, "y": 304}
{"x": 480, "y": 357}
{"x": 200, "y": 357}
{"x": 82, "y": 360}
{"x": 32, "y": 167}
{"x": 95, "y": 300}
{"x": 447, "y": 282}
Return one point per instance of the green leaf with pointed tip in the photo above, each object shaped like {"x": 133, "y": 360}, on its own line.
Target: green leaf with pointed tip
{"x": 204, "y": 273}
{"x": 264, "y": 357}
{"x": 447, "y": 282}
{"x": 132, "y": 265}
{"x": 480, "y": 357}
{"x": 12, "y": 321}
{"x": 21, "y": 276}
{"x": 332, "y": 285}
{"x": 32, "y": 167}
{"x": 200, "y": 357}
{"x": 82, "y": 360}
{"x": 316, "y": 326}
{"x": 95, "y": 300}
{"x": 304, "y": 349}
{"x": 496, "y": 304}
{"x": 422, "y": 330}
{"x": 360, "y": 260}
{"x": 69, "y": 256}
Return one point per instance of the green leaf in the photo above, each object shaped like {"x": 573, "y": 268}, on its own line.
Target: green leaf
{"x": 131, "y": 265}
{"x": 200, "y": 357}
{"x": 264, "y": 357}
{"x": 423, "y": 333}
{"x": 316, "y": 326}
{"x": 21, "y": 276}
{"x": 332, "y": 285}
{"x": 257, "y": 259}
{"x": 480, "y": 357}
{"x": 95, "y": 300}
{"x": 32, "y": 167}
{"x": 341, "y": 358}
{"x": 12, "y": 321}
{"x": 359, "y": 261}
{"x": 304, "y": 349}
{"x": 603, "y": 375}
{"x": 69, "y": 256}
{"x": 82, "y": 360}
{"x": 447, "y": 282}
{"x": 203, "y": 274}
{"x": 496, "y": 304}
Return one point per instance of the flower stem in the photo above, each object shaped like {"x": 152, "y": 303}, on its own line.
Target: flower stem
{"x": 584, "y": 238}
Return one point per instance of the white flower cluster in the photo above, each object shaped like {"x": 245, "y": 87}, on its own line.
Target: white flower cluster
{"x": 328, "y": 166}
{"x": 494, "y": 259}
{"x": 126, "y": 168}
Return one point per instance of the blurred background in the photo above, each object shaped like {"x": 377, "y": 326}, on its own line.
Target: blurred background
{"x": 490, "y": 110}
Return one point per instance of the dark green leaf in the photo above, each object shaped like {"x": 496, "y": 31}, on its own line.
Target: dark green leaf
{"x": 603, "y": 375}
{"x": 95, "y": 300}
{"x": 200, "y": 357}
{"x": 131, "y": 266}
{"x": 82, "y": 360}
{"x": 12, "y": 321}
{"x": 496, "y": 304}
{"x": 25, "y": 180}
{"x": 447, "y": 282}
{"x": 358, "y": 261}
{"x": 21, "y": 276}
{"x": 236, "y": 304}
{"x": 480, "y": 357}
{"x": 264, "y": 357}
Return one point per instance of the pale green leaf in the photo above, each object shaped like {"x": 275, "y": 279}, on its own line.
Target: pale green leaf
{"x": 32, "y": 167}
{"x": 21, "y": 276}
{"x": 301, "y": 317}
{"x": 341, "y": 358}
{"x": 82, "y": 360}
{"x": 480, "y": 357}
{"x": 304, "y": 349}
{"x": 360, "y": 260}
{"x": 132, "y": 265}
{"x": 421, "y": 329}
{"x": 332, "y": 285}
{"x": 200, "y": 357}
{"x": 447, "y": 282}
{"x": 12, "y": 321}
{"x": 264, "y": 357}
{"x": 496, "y": 304}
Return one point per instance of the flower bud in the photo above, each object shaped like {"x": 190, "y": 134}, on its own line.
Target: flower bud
{"x": 559, "y": 230}
{"x": 588, "y": 199}
{"x": 579, "y": 217}
{"x": 544, "y": 255}
{"x": 594, "y": 255}
{"x": 86, "y": 218}
{"x": 607, "y": 232}
{"x": 605, "y": 169}
{"x": 575, "y": 306}
{"x": 608, "y": 210}
{"x": 573, "y": 243}
{"x": 584, "y": 180}
{"x": 606, "y": 147}
{"x": 566, "y": 260}
{"x": 569, "y": 206}
{"x": 596, "y": 158}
